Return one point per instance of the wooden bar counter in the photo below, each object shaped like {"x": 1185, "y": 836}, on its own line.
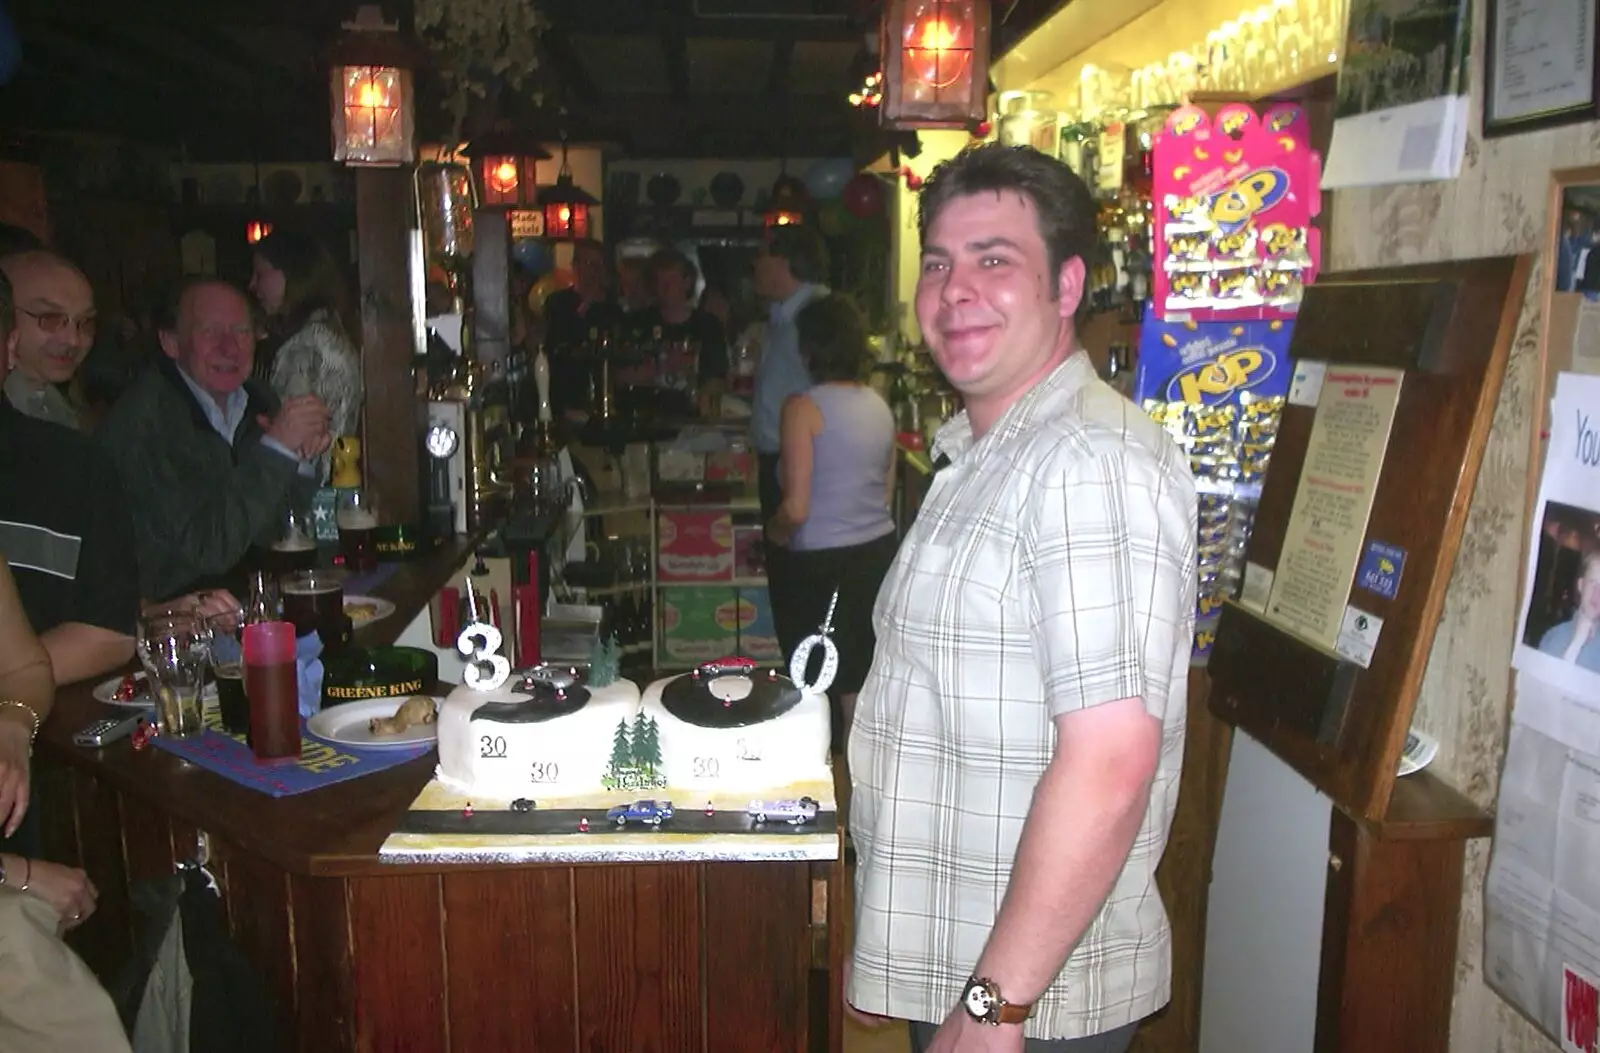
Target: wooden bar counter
{"x": 366, "y": 955}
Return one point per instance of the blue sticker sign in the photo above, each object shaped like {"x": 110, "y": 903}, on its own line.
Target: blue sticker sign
{"x": 1380, "y": 570}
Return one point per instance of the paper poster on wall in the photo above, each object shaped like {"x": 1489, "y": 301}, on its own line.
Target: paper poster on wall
{"x": 1402, "y": 110}
{"x": 1559, "y": 637}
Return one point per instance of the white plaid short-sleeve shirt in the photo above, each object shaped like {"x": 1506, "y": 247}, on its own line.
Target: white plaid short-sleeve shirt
{"x": 1050, "y": 568}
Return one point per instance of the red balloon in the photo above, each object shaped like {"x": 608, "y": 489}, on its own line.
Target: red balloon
{"x": 863, "y": 195}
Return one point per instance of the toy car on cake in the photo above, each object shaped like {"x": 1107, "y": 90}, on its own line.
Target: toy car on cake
{"x": 792, "y": 812}
{"x": 731, "y": 665}
{"x": 653, "y": 812}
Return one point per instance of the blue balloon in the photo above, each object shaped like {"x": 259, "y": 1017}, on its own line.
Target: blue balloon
{"x": 534, "y": 256}
{"x": 826, "y": 179}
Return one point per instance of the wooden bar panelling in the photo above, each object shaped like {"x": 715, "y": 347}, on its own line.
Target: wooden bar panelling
{"x": 262, "y": 923}
{"x": 748, "y": 1009}
{"x": 324, "y": 1002}
{"x": 521, "y": 919}
{"x": 399, "y": 981}
{"x": 638, "y": 959}
{"x": 146, "y": 843}
{"x": 107, "y": 937}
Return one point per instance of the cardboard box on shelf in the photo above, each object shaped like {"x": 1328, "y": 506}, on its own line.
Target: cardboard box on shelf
{"x": 758, "y": 635}
{"x": 691, "y": 629}
{"x": 749, "y": 554}
{"x": 695, "y": 546}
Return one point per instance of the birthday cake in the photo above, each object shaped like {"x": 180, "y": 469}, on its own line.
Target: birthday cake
{"x": 563, "y": 733}
{"x": 542, "y": 733}
{"x": 730, "y": 727}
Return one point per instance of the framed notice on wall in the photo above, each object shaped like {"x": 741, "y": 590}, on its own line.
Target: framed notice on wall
{"x": 1540, "y": 65}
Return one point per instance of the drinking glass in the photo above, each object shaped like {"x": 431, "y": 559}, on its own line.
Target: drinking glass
{"x": 172, "y": 647}
{"x": 357, "y": 516}
{"x": 313, "y": 600}
{"x": 226, "y": 632}
{"x": 295, "y": 546}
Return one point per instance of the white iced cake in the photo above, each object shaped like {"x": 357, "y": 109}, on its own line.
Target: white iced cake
{"x": 543, "y": 734}
{"x": 731, "y": 728}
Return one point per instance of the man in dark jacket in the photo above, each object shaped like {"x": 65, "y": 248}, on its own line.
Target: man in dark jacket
{"x": 210, "y": 461}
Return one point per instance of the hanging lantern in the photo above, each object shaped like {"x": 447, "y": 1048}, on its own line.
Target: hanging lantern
{"x": 505, "y": 162}
{"x": 256, "y": 229}
{"x": 786, "y": 206}
{"x": 372, "y": 99}
{"x": 566, "y": 205}
{"x": 936, "y": 63}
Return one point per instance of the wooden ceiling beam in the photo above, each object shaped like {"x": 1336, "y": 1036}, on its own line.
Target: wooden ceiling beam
{"x": 649, "y": 18}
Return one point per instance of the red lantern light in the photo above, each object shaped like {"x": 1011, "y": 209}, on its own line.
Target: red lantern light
{"x": 936, "y": 55}
{"x": 504, "y": 160}
{"x": 566, "y": 205}
{"x": 255, "y": 230}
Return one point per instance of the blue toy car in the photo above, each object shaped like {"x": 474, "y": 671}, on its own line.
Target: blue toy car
{"x": 653, "y": 812}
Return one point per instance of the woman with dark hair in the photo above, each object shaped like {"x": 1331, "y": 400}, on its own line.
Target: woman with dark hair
{"x": 310, "y": 350}
{"x": 836, "y": 465}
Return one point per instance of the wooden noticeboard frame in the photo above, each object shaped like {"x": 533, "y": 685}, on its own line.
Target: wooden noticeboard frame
{"x": 1449, "y": 326}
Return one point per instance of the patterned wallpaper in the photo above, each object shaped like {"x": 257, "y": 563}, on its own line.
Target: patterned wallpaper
{"x": 1496, "y": 207}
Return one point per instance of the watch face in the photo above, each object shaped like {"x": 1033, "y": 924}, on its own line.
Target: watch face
{"x": 441, "y": 441}
{"x": 979, "y": 1000}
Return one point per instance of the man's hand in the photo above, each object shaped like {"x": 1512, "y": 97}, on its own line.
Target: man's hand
{"x": 14, "y": 735}
{"x": 860, "y": 1016}
{"x": 301, "y": 425}
{"x": 67, "y": 889}
{"x": 961, "y": 1034}
{"x": 779, "y": 531}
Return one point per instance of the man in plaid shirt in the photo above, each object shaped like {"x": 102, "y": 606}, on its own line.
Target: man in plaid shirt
{"x": 1018, "y": 741}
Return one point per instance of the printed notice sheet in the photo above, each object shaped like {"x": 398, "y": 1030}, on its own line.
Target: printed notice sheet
{"x": 1542, "y": 897}
{"x": 1349, "y": 436}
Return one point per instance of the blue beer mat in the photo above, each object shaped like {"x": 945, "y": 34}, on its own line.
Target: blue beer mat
{"x": 363, "y": 584}
{"x": 320, "y": 764}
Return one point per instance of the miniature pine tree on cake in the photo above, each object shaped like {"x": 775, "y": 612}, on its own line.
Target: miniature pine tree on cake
{"x": 646, "y": 744}
{"x": 603, "y": 662}
{"x": 621, "y": 748}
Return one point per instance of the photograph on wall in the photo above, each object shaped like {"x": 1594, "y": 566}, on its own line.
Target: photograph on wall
{"x": 1577, "y": 265}
{"x": 1559, "y": 637}
{"x": 1400, "y": 52}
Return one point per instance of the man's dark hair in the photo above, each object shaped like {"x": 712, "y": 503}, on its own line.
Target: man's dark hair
{"x": 666, "y": 259}
{"x": 833, "y": 339}
{"x": 15, "y": 239}
{"x": 1065, "y": 208}
{"x": 588, "y": 245}
{"x": 803, "y": 249}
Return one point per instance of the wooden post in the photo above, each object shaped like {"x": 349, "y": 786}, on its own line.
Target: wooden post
{"x": 385, "y": 216}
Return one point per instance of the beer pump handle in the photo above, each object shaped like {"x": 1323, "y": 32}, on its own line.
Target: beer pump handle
{"x": 541, "y": 380}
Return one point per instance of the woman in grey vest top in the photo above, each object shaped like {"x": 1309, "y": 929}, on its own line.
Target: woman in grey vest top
{"x": 836, "y": 465}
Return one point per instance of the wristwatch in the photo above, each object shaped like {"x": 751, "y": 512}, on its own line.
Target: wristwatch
{"x": 981, "y": 999}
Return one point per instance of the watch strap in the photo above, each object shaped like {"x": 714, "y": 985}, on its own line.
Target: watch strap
{"x": 1011, "y": 1013}
{"x": 1002, "y": 1011}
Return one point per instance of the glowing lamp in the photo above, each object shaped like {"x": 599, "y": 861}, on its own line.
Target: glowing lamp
{"x": 505, "y": 162}
{"x": 786, "y": 204}
{"x": 255, "y": 230}
{"x": 936, "y": 63}
{"x": 566, "y": 205}
{"x": 372, "y": 100}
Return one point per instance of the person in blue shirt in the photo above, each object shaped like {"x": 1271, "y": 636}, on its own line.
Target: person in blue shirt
{"x": 1574, "y": 640}
{"x": 788, "y": 274}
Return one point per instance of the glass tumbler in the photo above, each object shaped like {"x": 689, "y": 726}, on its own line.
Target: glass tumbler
{"x": 357, "y": 516}
{"x": 227, "y": 666}
{"x": 173, "y": 648}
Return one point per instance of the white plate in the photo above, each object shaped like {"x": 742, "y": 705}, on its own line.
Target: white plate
{"x": 106, "y": 693}
{"x": 382, "y": 609}
{"x": 346, "y": 725}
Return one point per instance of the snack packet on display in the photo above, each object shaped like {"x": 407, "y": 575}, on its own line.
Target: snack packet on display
{"x": 1218, "y": 388}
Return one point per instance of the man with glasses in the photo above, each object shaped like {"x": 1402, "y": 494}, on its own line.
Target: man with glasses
{"x": 65, "y": 531}
{"x": 210, "y": 461}
{"x": 55, "y": 319}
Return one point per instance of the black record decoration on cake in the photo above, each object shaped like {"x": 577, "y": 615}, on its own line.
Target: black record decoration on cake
{"x": 554, "y": 692}
{"x": 729, "y": 693}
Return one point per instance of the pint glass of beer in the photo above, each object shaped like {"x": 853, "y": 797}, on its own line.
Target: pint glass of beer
{"x": 313, "y": 601}
{"x": 295, "y": 547}
{"x": 357, "y": 516}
